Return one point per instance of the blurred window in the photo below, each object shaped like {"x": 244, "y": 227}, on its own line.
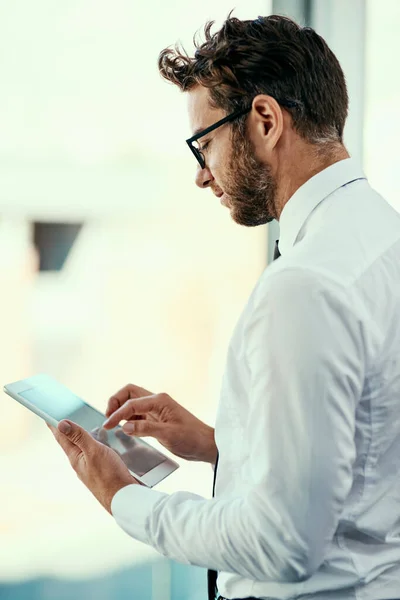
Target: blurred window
{"x": 53, "y": 242}
{"x": 153, "y": 284}
{"x": 382, "y": 100}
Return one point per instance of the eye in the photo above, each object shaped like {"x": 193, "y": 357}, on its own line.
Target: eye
{"x": 204, "y": 147}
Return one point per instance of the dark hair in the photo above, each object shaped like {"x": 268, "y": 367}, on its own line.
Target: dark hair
{"x": 269, "y": 55}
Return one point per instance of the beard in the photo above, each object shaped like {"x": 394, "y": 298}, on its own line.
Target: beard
{"x": 249, "y": 185}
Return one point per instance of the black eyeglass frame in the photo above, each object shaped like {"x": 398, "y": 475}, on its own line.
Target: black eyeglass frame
{"x": 229, "y": 118}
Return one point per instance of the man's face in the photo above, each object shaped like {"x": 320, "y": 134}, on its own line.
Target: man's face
{"x": 244, "y": 183}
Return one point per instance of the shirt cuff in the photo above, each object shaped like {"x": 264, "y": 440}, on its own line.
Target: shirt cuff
{"x": 131, "y": 507}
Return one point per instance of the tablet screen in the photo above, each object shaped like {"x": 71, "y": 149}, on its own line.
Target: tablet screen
{"x": 60, "y": 403}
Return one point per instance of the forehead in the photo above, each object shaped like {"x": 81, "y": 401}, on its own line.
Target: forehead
{"x": 201, "y": 114}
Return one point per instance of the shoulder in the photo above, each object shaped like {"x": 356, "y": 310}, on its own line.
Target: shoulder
{"x": 287, "y": 294}
{"x": 291, "y": 280}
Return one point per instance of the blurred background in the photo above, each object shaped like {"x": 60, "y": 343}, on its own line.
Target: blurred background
{"x": 115, "y": 268}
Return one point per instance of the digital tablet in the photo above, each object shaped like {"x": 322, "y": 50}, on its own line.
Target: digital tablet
{"x": 54, "y": 402}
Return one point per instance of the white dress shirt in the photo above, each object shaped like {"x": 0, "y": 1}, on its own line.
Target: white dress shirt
{"x": 308, "y": 427}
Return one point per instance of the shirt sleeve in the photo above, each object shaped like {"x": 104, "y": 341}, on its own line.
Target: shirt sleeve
{"x": 303, "y": 345}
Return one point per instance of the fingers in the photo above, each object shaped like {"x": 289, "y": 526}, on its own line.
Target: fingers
{"x": 112, "y": 406}
{"x": 131, "y": 408}
{"x": 126, "y": 393}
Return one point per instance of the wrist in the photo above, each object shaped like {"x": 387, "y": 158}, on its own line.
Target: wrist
{"x": 114, "y": 488}
{"x": 209, "y": 449}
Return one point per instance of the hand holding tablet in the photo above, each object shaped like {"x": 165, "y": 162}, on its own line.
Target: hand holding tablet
{"x": 54, "y": 402}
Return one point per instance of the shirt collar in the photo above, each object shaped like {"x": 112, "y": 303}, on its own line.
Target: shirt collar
{"x": 310, "y": 194}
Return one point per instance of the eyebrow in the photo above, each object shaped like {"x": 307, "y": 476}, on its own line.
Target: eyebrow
{"x": 209, "y": 129}
{"x": 196, "y": 131}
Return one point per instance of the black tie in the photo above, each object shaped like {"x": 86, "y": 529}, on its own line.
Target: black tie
{"x": 212, "y": 575}
{"x": 276, "y": 251}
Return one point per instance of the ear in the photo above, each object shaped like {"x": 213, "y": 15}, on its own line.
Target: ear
{"x": 265, "y": 123}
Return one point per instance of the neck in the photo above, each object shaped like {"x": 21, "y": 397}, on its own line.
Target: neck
{"x": 294, "y": 174}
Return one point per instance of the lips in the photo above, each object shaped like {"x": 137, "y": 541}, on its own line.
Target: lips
{"x": 221, "y": 196}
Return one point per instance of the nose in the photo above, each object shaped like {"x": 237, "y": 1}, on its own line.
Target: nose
{"x": 203, "y": 177}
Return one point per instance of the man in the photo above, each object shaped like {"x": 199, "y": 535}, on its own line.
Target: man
{"x": 307, "y": 495}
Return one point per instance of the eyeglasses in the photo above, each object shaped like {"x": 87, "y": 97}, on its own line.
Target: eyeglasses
{"x": 191, "y": 141}
{"x": 229, "y": 118}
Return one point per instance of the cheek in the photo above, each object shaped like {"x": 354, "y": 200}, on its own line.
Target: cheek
{"x": 220, "y": 164}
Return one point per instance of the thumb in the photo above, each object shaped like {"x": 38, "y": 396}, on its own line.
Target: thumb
{"x": 142, "y": 428}
{"x": 64, "y": 427}
{"x": 75, "y": 434}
